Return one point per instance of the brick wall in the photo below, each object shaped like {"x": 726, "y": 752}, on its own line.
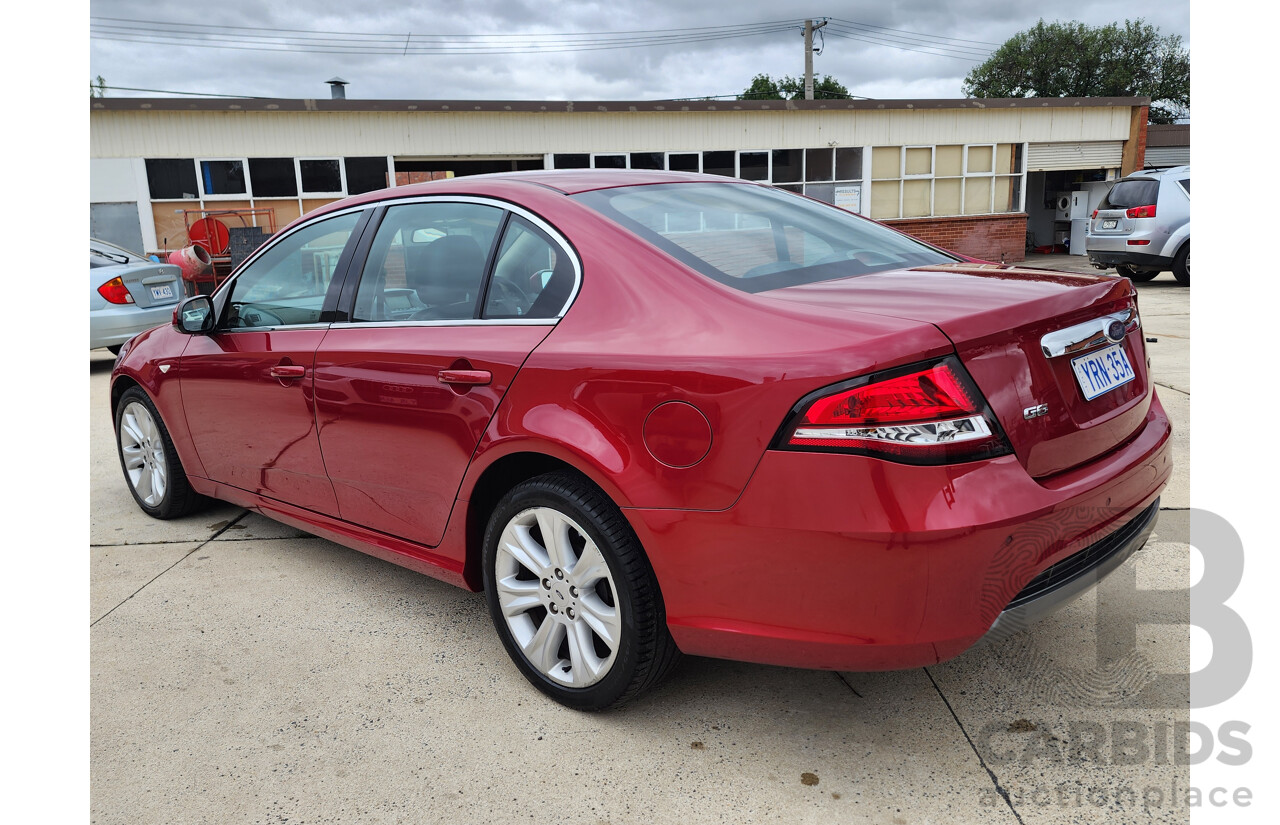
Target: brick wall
{"x": 999, "y": 238}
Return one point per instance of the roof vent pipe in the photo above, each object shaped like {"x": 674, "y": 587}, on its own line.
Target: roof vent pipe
{"x": 337, "y": 87}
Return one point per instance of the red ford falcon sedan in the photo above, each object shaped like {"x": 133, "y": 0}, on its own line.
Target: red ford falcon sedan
{"x": 650, "y": 413}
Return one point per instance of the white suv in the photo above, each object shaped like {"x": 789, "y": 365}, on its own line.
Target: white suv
{"x": 1143, "y": 226}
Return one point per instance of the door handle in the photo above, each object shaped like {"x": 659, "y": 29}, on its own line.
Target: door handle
{"x": 287, "y": 372}
{"x": 465, "y": 376}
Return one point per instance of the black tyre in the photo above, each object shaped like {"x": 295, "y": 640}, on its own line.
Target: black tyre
{"x": 114, "y": 349}
{"x": 572, "y": 595}
{"x": 150, "y": 463}
{"x": 1182, "y": 264}
{"x": 1135, "y": 275}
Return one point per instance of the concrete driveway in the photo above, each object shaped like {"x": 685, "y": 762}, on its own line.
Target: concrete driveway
{"x": 243, "y": 671}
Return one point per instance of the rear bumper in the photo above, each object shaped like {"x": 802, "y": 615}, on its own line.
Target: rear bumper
{"x": 1064, "y": 582}
{"x": 1139, "y": 260}
{"x": 853, "y": 563}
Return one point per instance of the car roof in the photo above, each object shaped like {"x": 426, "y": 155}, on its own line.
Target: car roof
{"x": 1153, "y": 174}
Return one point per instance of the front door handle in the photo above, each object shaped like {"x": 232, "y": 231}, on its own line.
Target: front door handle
{"x": 465, "y": 377}
{"x": 287, "y": 372}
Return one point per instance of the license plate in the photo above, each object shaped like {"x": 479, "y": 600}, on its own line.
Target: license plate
{"x": 159, "y": 293}
{"x": 1102, "y": 371}
{"x": 1108, "y": 224}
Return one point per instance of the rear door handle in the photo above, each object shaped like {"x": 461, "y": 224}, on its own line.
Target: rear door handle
{"x": 465, "y": 376}
{"x": 288, "y": 371}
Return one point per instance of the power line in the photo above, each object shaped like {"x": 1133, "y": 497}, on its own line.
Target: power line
{"x": 895, "y": 40}
{"x": 232, "y": 37}
{"x": 856, "y": 24}
{"x": 966, "y": 57}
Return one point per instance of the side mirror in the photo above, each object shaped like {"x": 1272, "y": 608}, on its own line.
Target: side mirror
{"x": 194, "y": 316}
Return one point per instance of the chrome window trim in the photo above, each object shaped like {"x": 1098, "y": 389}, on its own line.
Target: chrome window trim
{"x": 285, "y": 328}
{"x": 465, "y": 322}
{"x": 1087, "y": 335}
{"x": 508, "y": 206}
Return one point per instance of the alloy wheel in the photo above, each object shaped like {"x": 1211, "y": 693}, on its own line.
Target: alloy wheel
{"x": 142, "y": 451}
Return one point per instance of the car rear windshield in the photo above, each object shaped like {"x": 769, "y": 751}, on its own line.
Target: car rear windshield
{"x": 755, "y": 238}
{"x": 1129, "y": 193}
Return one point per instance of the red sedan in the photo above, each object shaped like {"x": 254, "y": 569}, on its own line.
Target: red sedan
{"x": 650, "y": 413}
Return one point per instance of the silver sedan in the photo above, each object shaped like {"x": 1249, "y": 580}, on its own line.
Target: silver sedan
{"x": 128, "y": 294}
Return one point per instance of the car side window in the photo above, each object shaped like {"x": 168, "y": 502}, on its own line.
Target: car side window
{"x": 1185, "y": 183}
{"x": 427, "y": 263}
{"x": 286, "y": 285}
{"x": 532, "y": 277}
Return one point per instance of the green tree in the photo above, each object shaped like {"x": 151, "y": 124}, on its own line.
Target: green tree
{"x": 98, "y": 87}
{"x": 1076, "y": 60}
{"x": 764, "y": 87}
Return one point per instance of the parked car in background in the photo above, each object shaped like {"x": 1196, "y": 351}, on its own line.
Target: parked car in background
{"x": 128, "y": 294}
{"x": 650, "y": 413}
{"x": 1143, "y": 226}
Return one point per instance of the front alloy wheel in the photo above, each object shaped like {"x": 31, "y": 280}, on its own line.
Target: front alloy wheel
{"x": 150, "y": 462}
{"x": 572, "y": 595}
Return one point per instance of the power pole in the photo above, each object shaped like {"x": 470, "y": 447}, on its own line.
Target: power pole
{"x": 809, "y": 29}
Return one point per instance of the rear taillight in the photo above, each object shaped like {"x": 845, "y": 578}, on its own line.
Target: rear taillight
{"x": 115, "y": 291}
{"x": 1141, "y": 211}
{"x": 922, "y": 414}
{"x": 1095, "y": 214}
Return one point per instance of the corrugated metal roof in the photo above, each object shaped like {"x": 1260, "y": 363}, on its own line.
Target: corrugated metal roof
{"x": 570, "y": 106}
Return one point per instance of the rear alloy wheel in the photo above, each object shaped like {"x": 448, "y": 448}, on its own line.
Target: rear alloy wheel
{"x": 1182, "y": 264}
{"x": 150, "y": 463}
{"x": 1134, "y": 275}
{"x": 572, "y": 595}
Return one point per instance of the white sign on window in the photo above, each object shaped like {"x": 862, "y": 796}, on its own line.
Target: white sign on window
{"x": 849, "y": 197}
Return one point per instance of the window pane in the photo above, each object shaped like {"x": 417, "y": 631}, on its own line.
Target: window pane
{"x": 980, "y": 159}
{"x": 753, "y": 165}
{"x": 919, "y": 161}
{"x": 948, "y": 161}
{"x": 646, "y": 160}
{"x": 365, "y": 174}
{"x": 286, "y": 285}
{"x": 884, "y": 199}
{"x": 272, "y": 177}
{"x": 532, "y": 278}
{"x": 791, "y": 187}
{"x": 977, "y": 196}
{"x": 817, "y": 165}
{"x": 683, "y": 162}
{"x": 573, "y": 161}
{"x": 1008, "y": 193}
{"x": 886, "y": 162}
{"x": 172, "y": 179}
{"x": 849, "y": 163}
{"x": 320, "y": 175}
{"x": 427, "y": 263}
{"x": 915, "y": 198}
{"x": 222, "y": 177}
{"x": 609, "y": 161}
{"x": 718, "y": 163}
{"x": 825, "y": 192}
{"x": 946, "y": 196}
{"x": 787, "y": 165}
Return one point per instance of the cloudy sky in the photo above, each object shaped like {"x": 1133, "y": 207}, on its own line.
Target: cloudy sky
{"x": 527, "y": 50}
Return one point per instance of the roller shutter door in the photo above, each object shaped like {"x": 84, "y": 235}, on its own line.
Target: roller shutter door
{"x": 1166, "y": 156}
{"x": 1102, "y": 154}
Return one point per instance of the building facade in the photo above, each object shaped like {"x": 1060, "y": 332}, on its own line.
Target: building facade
{"x": 982, "y": 177}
